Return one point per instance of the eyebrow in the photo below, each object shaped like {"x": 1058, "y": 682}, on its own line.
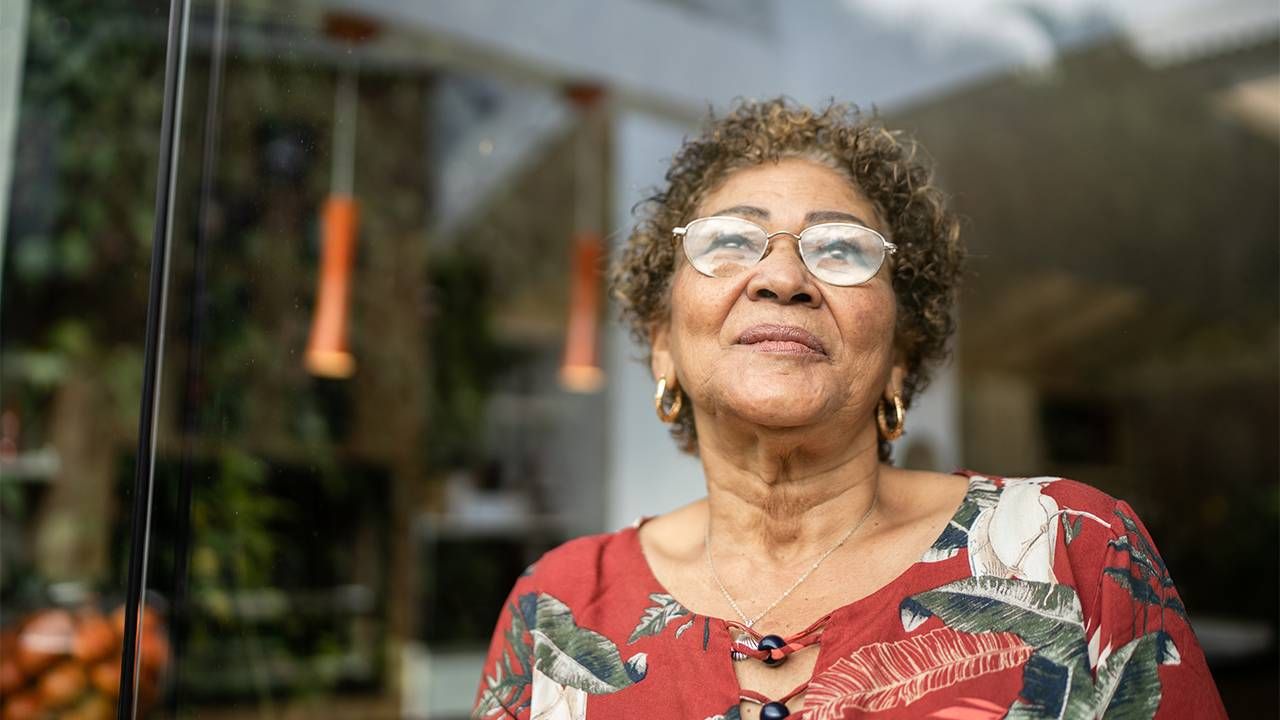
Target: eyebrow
{"x": 826, "y": 216}
{"x": 748, "y": 210}
{"x": 813, "y": 218}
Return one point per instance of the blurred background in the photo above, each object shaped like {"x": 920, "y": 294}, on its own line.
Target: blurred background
{"x": 391, "y": 376}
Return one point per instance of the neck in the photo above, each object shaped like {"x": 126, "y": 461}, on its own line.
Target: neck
{"x": 780, "y": 497}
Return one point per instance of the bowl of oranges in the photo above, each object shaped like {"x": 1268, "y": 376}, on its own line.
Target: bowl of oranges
{"x": 64, "y": 663}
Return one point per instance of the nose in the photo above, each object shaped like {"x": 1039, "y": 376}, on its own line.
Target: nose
{"x": 782, "y": 277}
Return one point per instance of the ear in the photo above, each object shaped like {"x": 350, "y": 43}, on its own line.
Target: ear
{"x": 897, "y": 378}
{"x": 660, "y": 352}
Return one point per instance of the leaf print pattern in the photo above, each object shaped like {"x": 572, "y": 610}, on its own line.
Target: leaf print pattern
{"x": 1042, "y": 614}
{"x": 1046, "y": 688}
{"x": 1055, "y": 682}
{"x": 1070, "y": 529}
{"x": 1145, "y": 577}
{"x": 1046, "y": 616}
{"x": 982, "y": 493}
{"x": 972, "y": 709}
{"x": 1097, "y": 652}
{"x": 886, "y": 675}
{"x": 578, "y": 657}
{"x": 658, "y": 616}
{"x": 1128, "y": 683}
{"x": 1137, "y": 587}
{"x": 511, "y": 676}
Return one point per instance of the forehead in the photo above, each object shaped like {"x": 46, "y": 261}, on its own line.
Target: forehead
{"x": 788, "y": 190}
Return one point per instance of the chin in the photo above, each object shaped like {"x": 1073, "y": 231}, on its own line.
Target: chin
{"x": 772, "y": 379}
{"x": 782, "y": 405}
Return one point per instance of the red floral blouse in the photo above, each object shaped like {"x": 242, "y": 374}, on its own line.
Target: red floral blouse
{"x": 1042, "y": 598}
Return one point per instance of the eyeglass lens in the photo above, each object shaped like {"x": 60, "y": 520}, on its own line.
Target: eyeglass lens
{"x": 836, "y": 253}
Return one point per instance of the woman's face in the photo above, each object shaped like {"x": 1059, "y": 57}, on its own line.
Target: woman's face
{"x": 732, "y": 342}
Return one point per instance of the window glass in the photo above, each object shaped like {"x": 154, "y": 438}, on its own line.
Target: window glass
{"x": 81, "y": 90}
{"x": 365, "y": 432}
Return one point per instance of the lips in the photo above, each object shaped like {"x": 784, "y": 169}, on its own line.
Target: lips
{"x": 781, "y": 338}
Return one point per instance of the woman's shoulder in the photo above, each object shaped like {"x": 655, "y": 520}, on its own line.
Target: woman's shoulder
{"x": 1075, "y": 528}
{"x": 1064, "y": 494}
{"x": 1057, "y": 550}
{"x": 584, "y": 564}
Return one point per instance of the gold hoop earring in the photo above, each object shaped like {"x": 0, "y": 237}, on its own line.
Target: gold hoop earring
{"x": 899, "y": 418}
{"x": 667, "y": 416}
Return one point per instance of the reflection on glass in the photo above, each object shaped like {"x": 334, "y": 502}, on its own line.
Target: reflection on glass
{"x": 335, "y": 539}
{"x": 1119, "y": 322}
{"x": 80, "y": 96}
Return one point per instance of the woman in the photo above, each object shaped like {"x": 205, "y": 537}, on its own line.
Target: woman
{"x": 792, "y": 283}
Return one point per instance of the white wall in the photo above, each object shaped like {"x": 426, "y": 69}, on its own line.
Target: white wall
{"x": 646, "y": 474}
{"x": 932, "y": 440}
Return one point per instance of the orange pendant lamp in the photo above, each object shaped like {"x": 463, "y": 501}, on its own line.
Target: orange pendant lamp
{"x": 327, "y": 354}
{"x": 580, "y": 371}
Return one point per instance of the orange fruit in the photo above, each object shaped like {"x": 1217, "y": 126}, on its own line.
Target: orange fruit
{"x": 63, "y": 685}
{"x": 105, "y": 676}
{"x": 8, "y": 641}
{"x": 43, "y": 640}
{"x": 23, "y": 707}
{"x": 154, "y": 650}
{"x": 11, "y": 677}
{"x": 94, "y": 639}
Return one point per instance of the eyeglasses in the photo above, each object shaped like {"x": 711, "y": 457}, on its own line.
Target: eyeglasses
{"x": 836, "y": 253}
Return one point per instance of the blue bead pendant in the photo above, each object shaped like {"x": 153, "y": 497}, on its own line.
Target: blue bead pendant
{"x": 772, "y": 642}
{"x": 773, "y": 711}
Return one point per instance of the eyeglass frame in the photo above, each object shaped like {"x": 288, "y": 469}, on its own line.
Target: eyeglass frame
{"x": 890, "y": 248}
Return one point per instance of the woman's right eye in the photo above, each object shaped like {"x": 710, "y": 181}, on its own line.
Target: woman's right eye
{"x": 728, "y": 242}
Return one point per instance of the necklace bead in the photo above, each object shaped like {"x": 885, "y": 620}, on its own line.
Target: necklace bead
{"x": 773, "y": 711}
{"x": 772, "y": 642}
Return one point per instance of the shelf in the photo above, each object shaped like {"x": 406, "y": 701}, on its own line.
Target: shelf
{"x": 460, "y": 526}
{"x": 271, "y": 603}
{"x": 41, "y": 368}
{"x": 33, "y": 466}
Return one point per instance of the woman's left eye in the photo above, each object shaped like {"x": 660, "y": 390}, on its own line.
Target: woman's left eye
{"x": 839, "y": 250}
{"x": 729, "y": 241}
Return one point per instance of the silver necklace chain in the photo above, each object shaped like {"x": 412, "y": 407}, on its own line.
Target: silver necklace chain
{"x": 749, "y": 622}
